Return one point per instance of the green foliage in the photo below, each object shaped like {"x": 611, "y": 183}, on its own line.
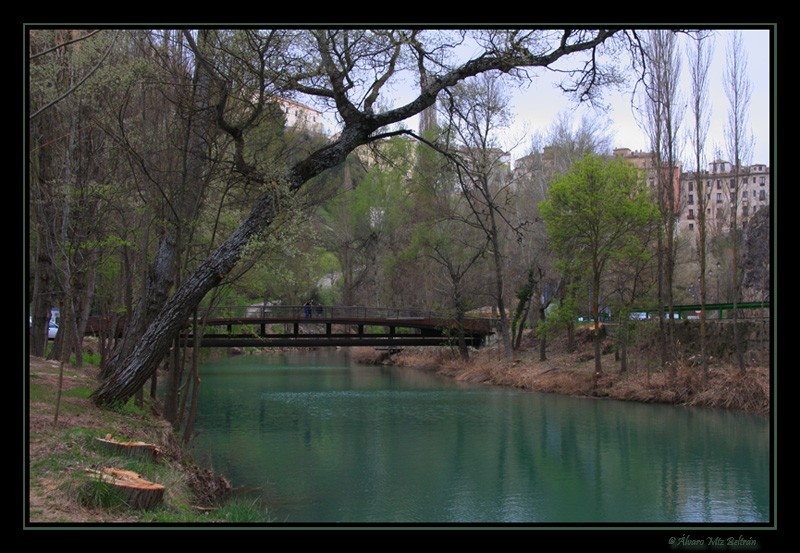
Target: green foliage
{"x": 596, "y": 212}
{"x": 89, "y": 357}
{"x": 592, "y": 210}
{"x": 96, "y": 494}
{"x": 79, "y": 391}
{"x": 559, "y": 316}
{"x": 129, "y": 408}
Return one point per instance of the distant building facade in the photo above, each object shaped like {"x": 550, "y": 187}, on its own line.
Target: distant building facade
{"x": 645, "y": 162}
{"x": 301, "y": 116}
{"x": 719, "y": 186}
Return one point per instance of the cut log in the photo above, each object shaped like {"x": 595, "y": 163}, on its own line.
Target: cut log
{"x": 141, "y": 450}
{"x": 137, "y": 492}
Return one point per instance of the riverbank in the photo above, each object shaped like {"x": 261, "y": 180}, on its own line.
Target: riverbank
{"x": 572, "y": 373}
{"x": 60, "y": 454}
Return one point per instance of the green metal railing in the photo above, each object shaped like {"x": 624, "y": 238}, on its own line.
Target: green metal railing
{"x": 694, "y": 310}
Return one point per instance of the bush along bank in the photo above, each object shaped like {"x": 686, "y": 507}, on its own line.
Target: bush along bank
{"x": 573, "y": 372}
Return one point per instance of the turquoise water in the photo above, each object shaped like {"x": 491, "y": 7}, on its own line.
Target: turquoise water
{"x": 326, "y": 441}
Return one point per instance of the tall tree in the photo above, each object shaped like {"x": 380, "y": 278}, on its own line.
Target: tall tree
{"x": 663, "y": 114}
{"x": 699, "y": 55}
{"x": 360, "y": 223}
{"x": 478, "y": 112}
{"x": 69, "y": 162}
{"x": 739, "y": 143}
{"x": 445, "y": 235}
{"x": 349, "y": 68}
{"x": 594, "y": 214}
{"x": 551, "y": 155}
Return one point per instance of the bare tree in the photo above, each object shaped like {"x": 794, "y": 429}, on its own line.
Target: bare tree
{"x": 348, "y": 68}
{"x": 663, "y": 113}
{"x": 739, "y": 146}
{"x": 67, "y": 166}
{"x": 478, "y": 112}
{"x": 699, "y": 55}
{"x": 446, "y": 235}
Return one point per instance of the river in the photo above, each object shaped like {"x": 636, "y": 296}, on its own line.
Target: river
{"x": 324, "y": 440}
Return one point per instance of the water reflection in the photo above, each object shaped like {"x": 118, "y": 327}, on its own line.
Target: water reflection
{"x": 328, "y": 442}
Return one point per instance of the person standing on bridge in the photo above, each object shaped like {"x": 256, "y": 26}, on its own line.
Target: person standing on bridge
{"x": 307, "y": 309}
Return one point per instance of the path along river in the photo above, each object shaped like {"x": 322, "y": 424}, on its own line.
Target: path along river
{"x": 324, "y": 440}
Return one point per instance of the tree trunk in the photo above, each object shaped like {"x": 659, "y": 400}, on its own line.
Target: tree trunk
{"x": 188, "y": 430}
{"x": 598, "y": 368}
{"x": 543, "y": 339}
{"x": 135, "y": 491}
{"x": 132, "y": 371}
{"x": 159, "y": 281}
{"x": 505, "y": 331}
{"x": 138, "y": 450}
{"x": 43, "y": 220}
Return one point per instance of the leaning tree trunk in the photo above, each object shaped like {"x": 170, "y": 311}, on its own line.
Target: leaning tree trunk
{"x": 134, "y": 370}
{"x": 131, "y": 372}
{"x": 159, "y": 281}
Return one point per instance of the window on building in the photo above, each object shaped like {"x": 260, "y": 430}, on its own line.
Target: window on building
{"x": 691, "y": 185}
{"x": 745, "y": 210}
{"x": 691, "y": 226}
{"x": 719, "y": 198}
{"x": 691, "y": 199}
{"x": 763, "y": 180}
{"x": 719, "y": 184}
{"x": 763, "y": 195}
{"x": 733, "y": 183}
{"x": 691, "y": 214}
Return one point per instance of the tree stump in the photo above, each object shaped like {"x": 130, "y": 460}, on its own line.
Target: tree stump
{"x": 137, "y": 492}
{"x": 141, "y": 450}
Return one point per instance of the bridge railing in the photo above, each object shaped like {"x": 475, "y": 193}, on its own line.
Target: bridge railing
{"x": 713, "y": 310}
{"x": 318, "y": 311}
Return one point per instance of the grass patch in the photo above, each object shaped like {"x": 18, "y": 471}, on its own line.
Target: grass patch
{"x": 95, "y": 494}
{"x": 82, "y": 392}
{"x": 242, "y": 509}
{"x": 39, "y": 392}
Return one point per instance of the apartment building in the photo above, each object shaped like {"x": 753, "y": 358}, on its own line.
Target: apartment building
{"x": 646, "y": 164}
{"x": 301, "y": 116}
{"x": 718, "y": 185}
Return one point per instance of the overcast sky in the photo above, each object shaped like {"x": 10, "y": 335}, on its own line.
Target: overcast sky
{"x": 537, "y": 107}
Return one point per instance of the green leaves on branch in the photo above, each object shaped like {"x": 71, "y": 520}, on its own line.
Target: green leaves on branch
{"x": 595, "y": 211}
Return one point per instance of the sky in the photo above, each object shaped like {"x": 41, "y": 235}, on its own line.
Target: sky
{"x": 536, "y": 108}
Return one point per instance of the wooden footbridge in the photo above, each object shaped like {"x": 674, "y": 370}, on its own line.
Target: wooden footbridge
{"x": 320, "y": 326}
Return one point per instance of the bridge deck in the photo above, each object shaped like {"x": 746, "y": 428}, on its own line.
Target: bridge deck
{"x": 296, "y": 327}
